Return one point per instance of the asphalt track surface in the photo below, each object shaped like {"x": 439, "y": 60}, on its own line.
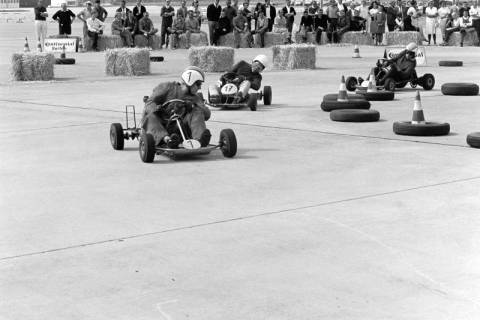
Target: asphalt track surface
{"x": 313, "y": 219}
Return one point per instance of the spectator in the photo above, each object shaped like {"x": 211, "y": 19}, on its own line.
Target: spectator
{"x": 123, "y": 10}
{"x": 466, "y": 24}
{"x": 248, "y": 14}
{"x": 357, "y": 23}
{"x": 320, "y": 24}
{"x": 452, "y": 25}
{"x": 443, "y": 13}
{"x": 313, "y": 9}
{"x": 261, "y": 27}
{"x": 270, "y": 13}
{"x": 197, "y": 13}
{"x": 431, "y": 22}
{"x": 475, "y": 14}
{"x": 145, "y": 26}
{"x": 84, "y": 15}
{"x": 372, "y": 11}
{"x": 381, "y": 19}
{"x": 235, "y": 6}
{"x": 223, "y": 26}
{"x": 214, "y": 11}
{"x": 343, "y": 25}
{"x": 332, "y": 15}
{"x": 399, "y": 23}
{"x": 391, "y": 11}
{"x": 95, "y": 27}
{"x": 167, "y": 12}
{"x": 463, "y": 8}
{"x": 130, "y": 23}
{"x": 280, "y": 24}
{"x": 258, "y": 7}
{"x": 177, "y": 29}
{"x": 289, "y": 13}
{"x": 118, "y": 28}
{"x": 183, "y": 11}
{"x": 230, "y": 11}
{"x": 138, "y": 12}
{"x": 240, "y": 28}
{"x": 101, "y": 12}
{"x": 65, "y": 18}
{"x": 306, "y": 24}
{"x": 41, "y": 23}
{"x": 191, "y": 25}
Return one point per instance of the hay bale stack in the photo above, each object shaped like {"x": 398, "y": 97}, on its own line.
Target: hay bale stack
{"x": 32, "y": 66}
{"x": 211, "y": 59}
{"x": 299, "y": 56}
{"x": 357, "y": 37}
{"x": 271, "y": 39}
{"x": 228, "y": 40}
{"x": 127, "y": 62}
{"x": 104, "y": 42}
{"x": 196, "y": 40}
{"x": 402, "y": 38}
{"x": 471, "y": 38}
{"x": 141, "y": 41}
{"x": 310, "y": 38}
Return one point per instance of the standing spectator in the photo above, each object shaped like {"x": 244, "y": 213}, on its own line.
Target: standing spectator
{"x": 167, "y": 12}
{"x": 289, "y": 14}
{"x": 312, "y": 11}
{"x": 214, "y": 11}
{"x": 138, "y": 12}
{"x": 240, "y": 28}
{"x": 381, "y": 19}
{"x": 84, "y": 15}
{"x": 372, "y": 11}
{"x": 306, "y": 24}
{"x": 145, "y": 26}
{"x": 191, "y": 25}
{"x": 65, "y": 18}
{"x": 123, "y": 10}
{"x": 320, "y": 24}
{"x": 475, "y": 14}
{"x": 462, "y": 9}
{"x": 258, "y": 7}
{"x": 443, "y": 13}
{"x": 391, "y": 10}
{"x": 95, "y": 28}
{"x": 230, "y": 11}
{"x": 261, "y": 27}
{"x": 332, "y": 15}
{"x": 235, "y": 5}
{"x": 197, "y": 13}
{"x": 118, "y": 28}
{"x": 183, "y": 11}
{"x": 101, "y": 12}
{"x": 223, "y": 26}
{"x": 431, "y": 22}
{"x": 248, "y": 14}
{"x": 270, "y": 13}
{"x": 41, "y": 23}
{"x": 466, "y": 23}
{"x": 177, "y": 29}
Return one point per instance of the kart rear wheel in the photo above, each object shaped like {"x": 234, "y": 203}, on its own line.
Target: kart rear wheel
{"x": 351, "y": 83}
{"x": 267, "y": 95}
{"x": 390, "y": 84}
{"x": 228, "y": 143}
{"x": 146, "y": 147}
{"x": 252, "y": 102}
{"x": 428, "y": 81}
{"x": 116, "y": 136}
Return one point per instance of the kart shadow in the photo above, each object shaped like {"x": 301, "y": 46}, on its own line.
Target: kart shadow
{"x": 163, "y": 159}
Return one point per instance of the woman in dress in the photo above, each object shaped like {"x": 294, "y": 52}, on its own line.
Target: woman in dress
{"x": 431, "y": 22}
{"x": 443, "y": 13}
{"x": 372, "y": 11}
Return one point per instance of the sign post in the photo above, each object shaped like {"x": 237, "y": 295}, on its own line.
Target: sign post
{"x": 420, "y": 55}
{"x": 57, "y": 45}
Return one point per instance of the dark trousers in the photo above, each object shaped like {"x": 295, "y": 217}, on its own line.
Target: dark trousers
{"x": 164, "y": 34}
{"x": 64, "y": 29}
{"x": 94, "y": 36}
{"x": 449, "y": 31}
{"x": 318, "y": 36}
{"x": 332, "y": 29}
{"x": 216, "y": 35}
{"x": 212, "y": 25}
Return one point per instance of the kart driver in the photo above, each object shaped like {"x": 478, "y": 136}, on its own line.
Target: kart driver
{"x": 403, "y": 66}
{"x": 193, "y": 113}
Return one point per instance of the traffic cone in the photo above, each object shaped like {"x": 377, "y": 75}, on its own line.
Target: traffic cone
{"x": 342, "y": 91}
{"x": 63, "y": 55}
{"x": 26, "y": 48}
{"x": 80, "y": 45}
{"x": 39, "y": 46}
{"x": 372, "y": 83}
{"x": 418, "y": 117}
{"x": 356, "y": 52}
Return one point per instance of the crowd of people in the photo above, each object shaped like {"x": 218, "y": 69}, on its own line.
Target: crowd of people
{"x": 334, "y": 17}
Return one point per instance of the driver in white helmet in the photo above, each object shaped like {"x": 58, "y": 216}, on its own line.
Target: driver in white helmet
{"x": 403, "y": 67}
{"x": 157, "y": 113}
{"x": 247, "y": 76}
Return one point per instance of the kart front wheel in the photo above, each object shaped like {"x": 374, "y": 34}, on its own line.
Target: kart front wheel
{"x": 390, "y": 84}
{"x": 116, "y": 136}
{"x": 252, "y": 102}
{"x": 146, "y": 147}
{"x": 351, "y": 83}
{"x": 267, "y": 95}
{"x": 228, "y": 143}
{"x": 428, "y": 81}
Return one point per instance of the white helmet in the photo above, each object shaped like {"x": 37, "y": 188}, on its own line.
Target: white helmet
{"x": 262, "y": 59}
{"x": 412, "y": 46}
{"x": 193, "y": 74}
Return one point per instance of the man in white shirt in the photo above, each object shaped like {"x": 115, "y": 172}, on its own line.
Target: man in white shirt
{"x": 475, "y": 14}
{"x": 95, "y": 27}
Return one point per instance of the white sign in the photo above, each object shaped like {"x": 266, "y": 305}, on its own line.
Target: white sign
{"x": 420, "y": 56}
{"x": 56, "y": 45}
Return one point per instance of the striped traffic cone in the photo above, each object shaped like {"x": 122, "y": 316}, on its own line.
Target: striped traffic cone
{"x": 372, "y": 83}
{"x": 418, "y": 117}
{"x": 26, "y": 48}
{"x": 342, "y": 91}
{"x": 356, "y": 52}
{"x": 63, "y": 55}
{"x": 39, "y": 46}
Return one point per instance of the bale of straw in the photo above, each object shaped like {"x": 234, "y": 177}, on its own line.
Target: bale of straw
{"x": 357, "y": 37}
{"x": 141, "y": 41}
{"x": 199, "y": 39}
{"x": 271, "y": 39}
{"x": 299, "y": 56}
{"x": 211, "y": 59}
{"x": 310, "y": 38}
{"x": 32, "y": 66}
{"x": 104, "y": 42}
{"x": 402, "y": 38}
{"x": 471, "y": 38}
{"x": 228, "y": 40}
{"x": 127, "y": 62}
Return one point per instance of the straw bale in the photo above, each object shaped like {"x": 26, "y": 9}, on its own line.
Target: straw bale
{"x": 471, "y": 38}
{"x": 402, "y": 37}
{"x": 310, "y": 38}
{"x": 227, "y": 40}
{"x": 298, "y": 56}
{"x": 104, "y": 42}
{"x": 271, "y": 39}
{"x": 141, "y": 41}
{"x": 32, "y": 66}
{"x": 357, "y": 37}
{"x": 211, "y": 59}
{"x": 196, "y": 40}
{"x": 127, "y": 62}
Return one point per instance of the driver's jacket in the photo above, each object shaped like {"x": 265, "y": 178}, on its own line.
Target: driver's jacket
{"x": 404, "y": 66}
{"x": 244, "y": 69}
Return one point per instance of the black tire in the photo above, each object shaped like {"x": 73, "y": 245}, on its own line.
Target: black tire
{"x": 401, "y": 85}
{"x": 338, "y": 105}
{"x": 146, "y": 147}
{"x": 267, "y": 95}
{"x": 252, "y": 102}
{"x": 228, "y": 143}
{"x": 428, "y": 81}
{"x": 117, "y": 138}
{"x": 64, "y": 61}
{"x": 390, "y": 84}
{"x": 406, "y": 128}
{"x": 460, "y": 89}
{"x": 450, "y": 63}
{"x": 351, "y": 83}
{"x": 379, "y": 96}
{"x": 355, "y": 115}
{"x": 473, "y": 140}
{"x": 156, "y": 59}
{"x": 334, "y": 96}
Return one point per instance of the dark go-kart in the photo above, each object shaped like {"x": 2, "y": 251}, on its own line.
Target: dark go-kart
{"x": 427, "y": 81}
{"x": 188, "y": 147}
{"x": 225, "y": 97}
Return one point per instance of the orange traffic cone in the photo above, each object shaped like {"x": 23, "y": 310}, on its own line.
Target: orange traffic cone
{"x": 26, "y": 48}
{"x": 63, "y": 55}
{"x": 356, "y": 52}
{"x": 342, "y": 91}
{"x": 418, "y": 117}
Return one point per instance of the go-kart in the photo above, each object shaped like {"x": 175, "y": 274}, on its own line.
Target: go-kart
{"x": 188, "y": 147}
{"x": 427, "y": 81}
{"x": 224, "y": 94}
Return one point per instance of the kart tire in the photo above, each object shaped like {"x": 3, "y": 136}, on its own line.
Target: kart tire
{"x": 252, "y": 102}
{"x": 354, "y": 115}
{"x": 267, "y": 95}
{"x": 64, "y": 61}
{"x": 379, "y": 96}
{"x": 473, "y": 139}
{"x": 390, "y": 84}
{"x": 351, "y": 83}
{"x": 334, "y": 96}
{"x": 450, "y": 63}
{"x": 406, "y": 128}
{"x": 117, "y": 139}
{"x": 351, "y": 104}
{"x": 427, "y": 81}
{"x": 228, "y": 143}
{"x": 460, "y": 89}
{"x": 156, "y": 59}
{"x": 146, "y": 147}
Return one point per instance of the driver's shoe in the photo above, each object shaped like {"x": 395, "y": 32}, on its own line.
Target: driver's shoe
{"x": 174, "y": 141}
{"x": 205, "y": 138}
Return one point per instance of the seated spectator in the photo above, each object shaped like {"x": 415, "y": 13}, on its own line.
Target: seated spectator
{"x": 306, "y": 24}
{"x": 466, "y": 24}
{"x": 248, "y": 14}
{"x": 183, "y": 11}
{"x": 320, "y": 24}
{"x": 452, "y": 25}
{"x": 95, "y": 27}
{"x": 223, "y": 27}
{"x": 357, "y": 23}
{"x": 65, "y": 18}
{"x": 261, "y": 27}
{"x": 177, "y": 29}
{"x": 240, "y": 28}
{"x": 343, "y": 25}
{"x": 118, "y": 28}
{"x": 130, "y": 24}
{"x": 191, "y": 25}
{"x": 123, "y": 10}
{"x": 475, "y": 14}
{"x": 399, "y": 23}
{"x": 145, "y": 26}
{"x": 280, "y": 26}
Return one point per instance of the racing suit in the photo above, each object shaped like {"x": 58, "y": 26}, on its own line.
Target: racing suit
{"x": 402, "y": 68}
{"x": 248, "y": 79}
{"x": 155, "y": 117}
